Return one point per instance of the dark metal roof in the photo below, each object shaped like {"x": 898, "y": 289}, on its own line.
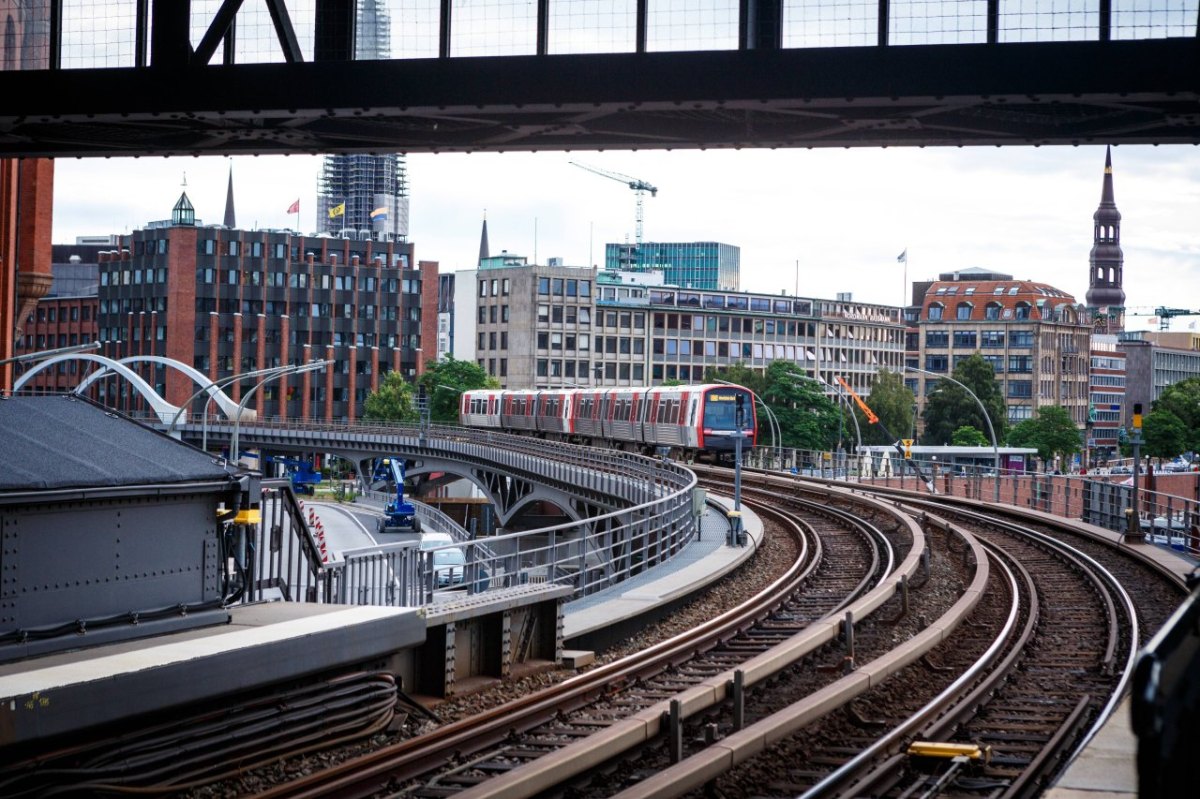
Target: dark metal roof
{"x": 62, "y": 442}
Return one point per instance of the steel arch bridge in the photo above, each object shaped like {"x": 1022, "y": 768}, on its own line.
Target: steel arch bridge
{"x": 772, "y": 77}
{"x": 165, "y": 411}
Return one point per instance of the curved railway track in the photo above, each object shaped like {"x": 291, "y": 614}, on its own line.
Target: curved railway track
{"x": 606, "y": 698}
{"x": 902, "y": 619}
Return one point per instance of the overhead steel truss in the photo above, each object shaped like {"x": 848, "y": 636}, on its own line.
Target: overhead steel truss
{"x": 760, "y": 95}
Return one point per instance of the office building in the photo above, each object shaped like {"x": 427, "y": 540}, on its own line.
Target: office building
{"x": 1155, "y": 360}
{"x": 692, "y": 264}
{"x": 1107, "y": 381}
{"x": 231, "y": 301}
{"x": 535, "y": 326}
{"x": 64, "y": 317}
{"x": 1035, "y": 336}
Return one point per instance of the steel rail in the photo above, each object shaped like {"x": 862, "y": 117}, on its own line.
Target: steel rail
{"x": 368, "y": 773}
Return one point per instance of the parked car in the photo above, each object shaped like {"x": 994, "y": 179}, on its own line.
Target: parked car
{"x": 449, "y": 562}
{"x": 1121, "y": 470}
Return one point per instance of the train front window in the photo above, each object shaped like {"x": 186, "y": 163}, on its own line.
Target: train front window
{"x": 720, "y": 409}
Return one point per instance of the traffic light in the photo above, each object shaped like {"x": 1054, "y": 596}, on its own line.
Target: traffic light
{"x": 907, "y": 442}
{"x": 1137, "y": 416}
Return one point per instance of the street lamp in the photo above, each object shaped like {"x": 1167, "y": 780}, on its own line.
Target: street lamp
{"x": 983, "y": 410}
{"x": 853, "y": 417}
{"x": 217, "y": 384}
{"x": 43, "y": 354}
{"x": 290, "y": 370}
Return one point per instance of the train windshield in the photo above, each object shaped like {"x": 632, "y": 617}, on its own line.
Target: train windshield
{"x": 720, "y": 409}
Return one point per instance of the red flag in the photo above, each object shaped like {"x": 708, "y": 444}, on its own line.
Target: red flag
{"x": 294, "y": 208}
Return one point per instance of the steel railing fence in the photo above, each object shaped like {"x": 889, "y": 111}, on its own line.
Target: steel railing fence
{"x": 653, "y": 519}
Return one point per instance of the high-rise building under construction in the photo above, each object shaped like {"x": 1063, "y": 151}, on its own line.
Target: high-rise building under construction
{"x": 366, "y": 196}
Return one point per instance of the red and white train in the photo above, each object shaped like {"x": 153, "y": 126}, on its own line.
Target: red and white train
{"x": 687, "y": 421}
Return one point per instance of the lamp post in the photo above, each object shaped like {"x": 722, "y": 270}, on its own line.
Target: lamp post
{"x": 43, "y": 354}
{"x": 216, "y": 384}
{"x": 735, "y": 529}
{"x": 771, "y": 418}
{"x": 983, "y": 410}
{"x": 290, "y": 370}
{"x": 841, "y": 421}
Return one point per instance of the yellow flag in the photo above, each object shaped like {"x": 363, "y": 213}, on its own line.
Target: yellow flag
{"x": 337, "y": 210}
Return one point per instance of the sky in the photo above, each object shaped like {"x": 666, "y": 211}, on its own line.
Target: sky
{"x": 809, "y": 222}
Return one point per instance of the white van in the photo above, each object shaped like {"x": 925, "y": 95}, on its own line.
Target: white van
{"x": 449, "y": 562}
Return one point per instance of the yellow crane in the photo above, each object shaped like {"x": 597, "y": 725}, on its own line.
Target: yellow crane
{"x": 640, "y": 187}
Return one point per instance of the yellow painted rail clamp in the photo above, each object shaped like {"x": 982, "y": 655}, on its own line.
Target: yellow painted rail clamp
{"x": 949, "y": 751}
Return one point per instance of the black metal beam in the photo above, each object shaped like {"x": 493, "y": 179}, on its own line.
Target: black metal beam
{"x": 1145, "y": 91}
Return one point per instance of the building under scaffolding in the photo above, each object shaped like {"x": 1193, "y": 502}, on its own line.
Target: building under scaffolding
{"x": 366, "y": 196}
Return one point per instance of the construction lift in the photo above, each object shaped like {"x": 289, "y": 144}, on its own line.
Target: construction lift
{"x": 399, "y": 515}
{"x": 900, "y": 448}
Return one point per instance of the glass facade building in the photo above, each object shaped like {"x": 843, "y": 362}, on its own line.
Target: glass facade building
{"x": 691, "y": 264}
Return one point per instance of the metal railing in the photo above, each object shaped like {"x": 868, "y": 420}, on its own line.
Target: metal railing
{"x": 654, "y": 520}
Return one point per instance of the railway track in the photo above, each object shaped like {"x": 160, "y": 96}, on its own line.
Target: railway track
{"x": 902, "y": 619}
{"x": 770, "y": 633}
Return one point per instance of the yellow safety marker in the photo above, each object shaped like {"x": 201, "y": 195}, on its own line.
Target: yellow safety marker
{"x": 248, "y": 516}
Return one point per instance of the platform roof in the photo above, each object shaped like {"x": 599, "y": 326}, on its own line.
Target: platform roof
{"x": 65, "y": 441}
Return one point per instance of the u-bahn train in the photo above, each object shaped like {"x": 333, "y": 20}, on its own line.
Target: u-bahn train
{"x": 682, "y": 421}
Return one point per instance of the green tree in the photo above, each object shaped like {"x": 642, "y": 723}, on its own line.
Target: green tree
{"x": 1052, "y": 432}
{"x": 738, "y": 374}
{"x": 948, "y": 407}
{"x": 967, "y": 436}
{"x": 392, "y": 401}
{"x": 1165, "y": 435}
{"x": 444, "y": 382}
{"x": 892, "y": 402}
{"x": 1183, "y": 400}
{"x": 808, "y": 419}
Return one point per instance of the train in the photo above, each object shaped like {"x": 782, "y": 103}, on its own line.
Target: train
{"x": 682, "y": 422}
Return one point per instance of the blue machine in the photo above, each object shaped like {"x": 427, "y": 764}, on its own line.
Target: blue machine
{"x": 399, "y": 515}
{"x": 304, "y": 479}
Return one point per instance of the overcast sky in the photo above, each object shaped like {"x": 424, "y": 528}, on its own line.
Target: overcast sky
{"x": 823, "y": 220}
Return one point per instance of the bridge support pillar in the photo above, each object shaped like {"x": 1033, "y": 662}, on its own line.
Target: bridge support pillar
{"x": 474, "y": 640}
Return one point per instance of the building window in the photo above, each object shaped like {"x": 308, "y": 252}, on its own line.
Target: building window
{"x": 964, "y": 339}
{"x": 935, "y": 312}
{"x": 937, "y": 338}
{"x": 936, "y": 363}
{"x": 1022, "y": 310}
{"x": 963, "y": 311}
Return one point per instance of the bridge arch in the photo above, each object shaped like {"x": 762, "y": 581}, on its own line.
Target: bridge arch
{"x": 165, "y": 410}
{"x": 222, "y": 400}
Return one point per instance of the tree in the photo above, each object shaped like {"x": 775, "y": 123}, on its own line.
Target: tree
{"x": 739, "y": 374}
{"x": 1183, "y": 400}
{"x": 392, "y": 401}
{"x": 1052, "y": 432}
{"x": 892, "y": 402}
{"x": 808, "y": 419}
{"x": 948, "y": 407}
{"x": 1165, "y": 435}
{"x": 967, "y": 436}
{"x": 445, "y": 381}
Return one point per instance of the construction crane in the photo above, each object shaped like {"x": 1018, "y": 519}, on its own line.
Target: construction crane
{"x": 640, "y": 187}
{"x": 1165, "y": 315}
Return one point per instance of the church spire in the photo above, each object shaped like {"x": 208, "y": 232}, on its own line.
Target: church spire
{"x": 1105, "y": 295}
{"x": 484, "y": 252}
{"x": 230, "y": 222}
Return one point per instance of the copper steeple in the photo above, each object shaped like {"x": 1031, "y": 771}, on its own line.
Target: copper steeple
{"x": 1105, "y": 296}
